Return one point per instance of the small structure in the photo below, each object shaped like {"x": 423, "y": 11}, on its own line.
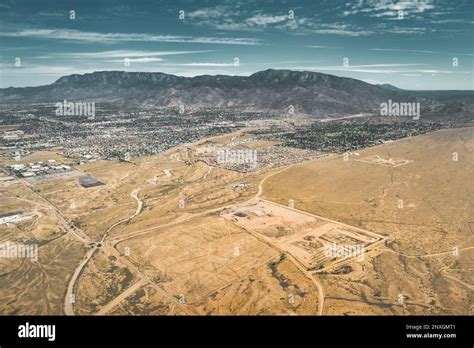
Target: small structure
{"x": 27, "y": 174}
{"x": 89, "y": 181}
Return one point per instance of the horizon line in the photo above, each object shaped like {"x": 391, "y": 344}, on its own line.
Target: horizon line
{"x": 228, "y": 75}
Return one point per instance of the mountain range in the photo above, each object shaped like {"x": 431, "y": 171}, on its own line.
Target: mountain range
{"x": 310, "y": 93}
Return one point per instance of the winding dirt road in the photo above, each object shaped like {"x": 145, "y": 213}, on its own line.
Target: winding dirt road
{"x": 70, "y": 295}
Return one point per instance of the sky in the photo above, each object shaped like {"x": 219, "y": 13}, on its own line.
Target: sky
{"x": 419, "y": 45}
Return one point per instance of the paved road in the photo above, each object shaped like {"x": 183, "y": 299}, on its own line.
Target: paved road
{"x": 76, "y": 233}
{"x": 68, "y": 305}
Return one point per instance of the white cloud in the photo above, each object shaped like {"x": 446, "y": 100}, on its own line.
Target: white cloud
{"x": 118, "y": 54}
{"x": 235, "y": 19}
{"x": 343, "y": 32}
{"x": 315, "y": 46}
{"x": 139, "y": 60}
{"x": 207, "y": 13}
{"x": 401, "y": 50}
{"x": 389, "y": 9}
{"x": 451, "y": 21}
{"x": 202, "y": 64}
{"x": 418, "y": 6}
{"x": 264, "y": 20}
{"x": 407, "y": 30}
{"x": 76, "y": 35}
{"x": 338, "y": 29}
{"x": 381, "y": 69}
{"x": 239, "y": 19}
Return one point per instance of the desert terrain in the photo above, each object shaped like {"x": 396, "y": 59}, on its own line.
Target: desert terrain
{"x": 384, "y": 230}
{"x": 415, "y": 193}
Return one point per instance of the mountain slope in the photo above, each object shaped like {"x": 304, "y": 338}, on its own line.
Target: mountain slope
{"x": 389, "y": 87}
{"x": 310, "y": 93}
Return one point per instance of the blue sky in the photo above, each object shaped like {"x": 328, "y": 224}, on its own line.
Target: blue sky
{"x": 410, "y": 44}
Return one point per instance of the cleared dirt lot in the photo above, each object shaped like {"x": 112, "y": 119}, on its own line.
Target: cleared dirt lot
{"x": 314, "y": 241}
{"x": 215, "y": 267}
